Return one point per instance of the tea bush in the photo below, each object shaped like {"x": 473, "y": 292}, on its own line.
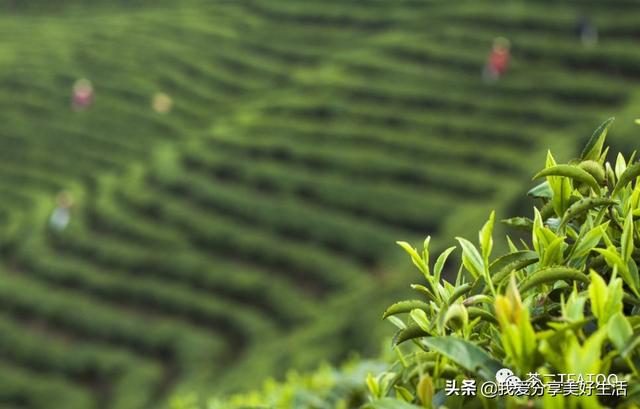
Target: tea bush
{"x": 221, "y": 243}
{"x": 565, "y": 299}
{"x": 326, "y": 388}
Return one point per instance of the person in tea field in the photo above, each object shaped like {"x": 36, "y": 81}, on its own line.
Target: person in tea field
{"x": 161, "y": 103}
{"x": 61, "y": 215}
{"x": 587, "y": 32}
{"x": 497, "y": 61}
{"x": 83, "y": 94}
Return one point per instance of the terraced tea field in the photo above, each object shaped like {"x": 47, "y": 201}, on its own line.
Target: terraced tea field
{"x": 219, "y": 243}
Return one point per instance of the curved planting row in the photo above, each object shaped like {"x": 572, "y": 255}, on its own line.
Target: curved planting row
{"x": 221, "y": 240}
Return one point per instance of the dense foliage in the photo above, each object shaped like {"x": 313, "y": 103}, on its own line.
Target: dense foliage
{"x": 565, "y": 299}
{"x": 221, "y": 242}
{"x": 326, "y": 388}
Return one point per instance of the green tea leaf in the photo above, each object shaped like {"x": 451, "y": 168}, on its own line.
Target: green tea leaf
{"x": 553, "y": 253}
{"x": 504, "y": 261}
{"x": 593, "y": 148}
{"x": 598, "y": 294}
{"x": 415, "y": 257}
{"x": 551, "y": 275}
{"x": 424, "y": 290}
{"x": 403, "y": 393}
{"x": 405, "y": 306}
{"x": 620, "y": 166}
{"x": 475, "y": 312}
{"x": 561, "y": 196}
{"x": 469, "y": 356}
{"x": 485, "y": 239}
{"x": 471, "y": 258}
{"x": 626, "y": 240}
{"x": 634, "y": 278}
{"x": 457, "y": 312}
{"x": 589, "y": 241}
{"x": 619, "y": 331}
{"x": 389, "y": 403}
{"x": 560, "y": 187}
{"x": 503, "y": 266}
{"x": 459, "y": 292}
{"x": 627, "y": 176}
{"x": 412, "y": 331}
{"x": 420, "y": 317}
{"x": 523, "y": 223}
{"x": 614, "y": 260}
{"x": 425, "y": 251}
{"x": 584, "y": 205}
{"x": 437, "y": 268}
{"x": 631, "y": 347}
{"x": 594, "y": 169}
{"x": 606, "y": 301}
{"x": 573, "y": 308}
{"x": 372, "y": 385}
{"x": 572, "y": 172}
{"x": 541, "y": 191}
{"x": 425, "y": 390}
{"x": 397, "y": 322}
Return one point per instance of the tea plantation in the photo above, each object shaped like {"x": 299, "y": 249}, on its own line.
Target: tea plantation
{"x": 245, "y": 231}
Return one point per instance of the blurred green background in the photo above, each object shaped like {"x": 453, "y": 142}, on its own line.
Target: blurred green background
{"x": 238, "y": 172}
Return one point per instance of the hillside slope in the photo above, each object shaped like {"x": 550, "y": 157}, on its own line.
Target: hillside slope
{"x": 221, "y": 242}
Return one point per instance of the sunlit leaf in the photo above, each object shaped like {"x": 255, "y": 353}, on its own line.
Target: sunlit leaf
{"x": 457, "y": 313}
{"x": 626, "y": 240}
{"x": 571, "y": 172}
{"x": 420, "y": 317}
{"x": 552, "y": 275}
{"x": 410, "y": 332}
{"x": 542, "y": 191}
{"x": 469, "y": 356}
{"x": 415, "y": 257}
{"x": 471, "y": 258}
{"x": 523, "y": 223}
{"x": 589, "y": 241}
{"x": 593, "y": 148}
{"x": 619, "y": 331}
{"x": 485, "y": 239}
{"x": 389, "y": 403}
{"x": 503, "y": 266}
{"x": 405, "y": 306}
{"x": 595, "y": 169}
{"x": 627, "y": 176}
{"x": 437, "y": 268}
{"x": 584, "y": 205}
